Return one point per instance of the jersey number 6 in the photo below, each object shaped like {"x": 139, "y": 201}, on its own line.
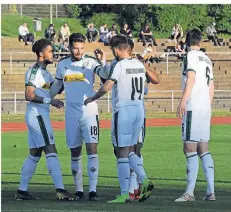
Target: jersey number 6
{"x": 137, "y": 87}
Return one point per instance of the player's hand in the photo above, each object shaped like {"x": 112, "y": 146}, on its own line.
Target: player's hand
{"x": 181, "y": 110}
{"x": 57, "y": 103}
{"x": 88, "y": 100}
{"x": 101, "y": 56}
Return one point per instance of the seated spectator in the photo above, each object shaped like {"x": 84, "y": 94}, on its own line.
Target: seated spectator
{"x": 50, "y": 32}
{"x": 146, "y": 35}
{"x": 92, "y": 33}
{"x": 150, "y": 56}
{"x": 177, "y": 33}
{"x": 114, "y": 27}
{"x": 109, "y": 37}
{"x": 103, "y": 31}
{"x": 24, "y": 34}
{"x": 126, "y": 31}
{"x": 212, "y": 34}
{"x": 64, "y": 33}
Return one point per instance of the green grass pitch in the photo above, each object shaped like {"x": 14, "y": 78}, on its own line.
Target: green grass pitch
{"x": 164, "y": 162}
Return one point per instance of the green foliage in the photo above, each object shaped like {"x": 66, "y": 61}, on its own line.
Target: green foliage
{"x": 72, "y": 10}
{"x": 99, "y": 18}
{"x": 222, "y": 16}
{"x": 10, "y": 24}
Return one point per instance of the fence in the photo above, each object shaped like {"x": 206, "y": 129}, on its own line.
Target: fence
{"x": 167, "y": 54}
{"x": 156, "y": 101}
{"x": 35, "y": 10}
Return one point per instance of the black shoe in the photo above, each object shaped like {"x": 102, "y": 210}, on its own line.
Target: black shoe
{"x": 24, "y": 195}
{"x": 63, "y": 195}
{"x": 79, "y": 195}
{"x": 93, "y": 196}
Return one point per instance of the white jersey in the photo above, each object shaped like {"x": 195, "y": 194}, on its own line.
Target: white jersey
{"x": 198, "y": 62}
{"x": 130, "y": 77}
{"x": 79, "y": 78}
{"x": 41, "y": 79}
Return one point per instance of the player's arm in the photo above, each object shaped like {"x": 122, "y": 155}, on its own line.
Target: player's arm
{"x": 57, "y": 86}
{"x": 32, "y": 97}
{"x": 151, "y": 75}
{"x": 112, "y": 79}
{"x": 211, "y": 90}
{"x": 101, "y": 92}
{"x": 101, "y": 68}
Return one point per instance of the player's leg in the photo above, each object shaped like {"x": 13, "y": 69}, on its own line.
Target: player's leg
{"x": 133, "y": 184}
{"x": 74, "y": 143}
{"x": 28, "y": 170}
{"x": 134, "y": 160}
{"x": 190, "y": 151}
{"x": 122, "y": 134}
{"x": 206, "y": 158}
{"x": 208, "y": 167}
{"x": 47, "y": 142}
{"x": 90, "y": 133}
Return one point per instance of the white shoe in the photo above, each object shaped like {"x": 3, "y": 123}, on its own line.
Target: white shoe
{"x": 185, "y": 198}
{"x": 210, "y": 197}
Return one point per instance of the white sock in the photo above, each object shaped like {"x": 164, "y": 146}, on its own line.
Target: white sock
{"x": 142, "y": 162}
{"x": 54, "y": 169}
{"x": 192, "y": 171}
{"x": 132, "y": 181}
{"x": 208, "y": 167}
{"x": 28, "y": 170}
{"x": 77, "y": 172}
{"x": 137, "y": 166}
{"x": 93, "y": 171}
{"x": 123, "y": 174}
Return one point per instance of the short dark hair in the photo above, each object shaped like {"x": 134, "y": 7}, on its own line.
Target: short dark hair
{"x": 120, "y": 42}
{"x": 150, "y": 44}
{"x": 193, "y": 37}
{"x": 41, "y": 44}
{"x": 76, "y": 37}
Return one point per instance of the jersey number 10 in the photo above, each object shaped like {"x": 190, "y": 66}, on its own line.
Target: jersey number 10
{"x": 137, "y": 87}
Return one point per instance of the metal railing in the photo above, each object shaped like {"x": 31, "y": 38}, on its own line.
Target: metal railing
{"x": 226, "y": 96}
{"x": 167, "y": 54}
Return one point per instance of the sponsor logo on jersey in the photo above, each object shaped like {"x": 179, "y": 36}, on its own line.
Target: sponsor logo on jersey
{"x": 74, "y": 77}
{"x": 46, "y": 86}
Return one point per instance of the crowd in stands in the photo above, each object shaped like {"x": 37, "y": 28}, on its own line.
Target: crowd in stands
{"x": 104, "y": 34}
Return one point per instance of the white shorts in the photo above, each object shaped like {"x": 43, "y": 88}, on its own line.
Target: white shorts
{"x": 196, "y": 126}
{"x": 142, "y": 133}
{"x": 127, "y": 123}
{"x": 82, "y": 129}
{"x": 40, "y": 132}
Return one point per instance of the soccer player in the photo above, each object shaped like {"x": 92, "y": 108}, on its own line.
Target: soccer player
{"x": 134, "y": 182}
{"x": 77, "y": 73}
{"x": 195, "y": 109}
{"x": 127, "y": 78}
{"x": 40, "y": 133}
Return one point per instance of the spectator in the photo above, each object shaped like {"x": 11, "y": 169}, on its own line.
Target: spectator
{"x": 126, "y": 31}
{"x": 149, "y": 55}
{"x": 92, "y": 33}
{"x": 64, "y": 33}
{"x": 109, "y": 37}
{"x": 146, "y": 35}
{"x": 23, "y": 33}
{"x": 103, "y": 31}
{"x": 114, "y": 27}
{"x": 212, "y": 34}
{"x": 177, "y": 33}
{"x": 50, "y": 32}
